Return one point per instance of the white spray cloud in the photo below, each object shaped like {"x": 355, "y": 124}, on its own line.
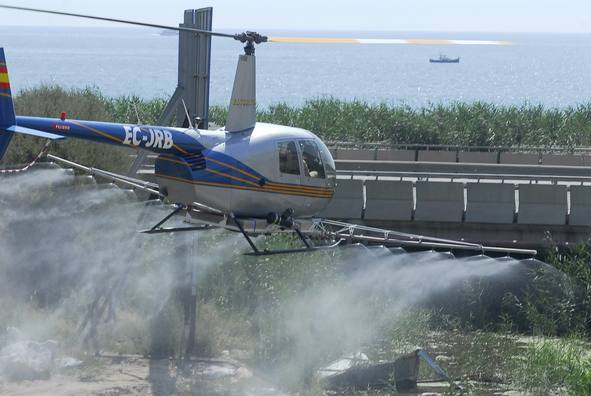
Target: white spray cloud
{"x": 68, "y": 243}
{"x": 64, "y": 244}
{"x": 377, "y": 290}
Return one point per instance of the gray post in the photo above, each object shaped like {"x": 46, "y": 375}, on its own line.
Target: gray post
{"x": 193, "y": 78}
{"x": 194, "y": 66}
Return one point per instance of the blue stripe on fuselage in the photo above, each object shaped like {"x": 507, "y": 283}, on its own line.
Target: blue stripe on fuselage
{"x": 153, "y": 138}
{"x": 223, "y": 162}
{"x": 220, "y": 168}
{"x": 226, "y": 172}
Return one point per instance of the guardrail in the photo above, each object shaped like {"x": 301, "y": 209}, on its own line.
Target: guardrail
{"x": 532, "y": 170}
{"x": 386, "y": 145}
{"x": 461, "y": 202}
{"x": 581, "y": 157}
{"x": 464, "y": 177}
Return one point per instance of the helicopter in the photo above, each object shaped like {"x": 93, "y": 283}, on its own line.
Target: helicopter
{"x": 251, "y": 177}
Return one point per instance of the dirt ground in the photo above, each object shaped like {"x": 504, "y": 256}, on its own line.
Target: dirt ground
{"x": 114, "y": 375}
{"x": 135, "y": 375}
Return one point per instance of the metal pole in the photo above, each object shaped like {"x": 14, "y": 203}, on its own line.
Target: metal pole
{"x": 192, "y": 303}
{"x": 194, "y": 67}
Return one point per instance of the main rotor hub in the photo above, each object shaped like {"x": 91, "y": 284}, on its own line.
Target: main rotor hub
{"x": 250, "y": 38}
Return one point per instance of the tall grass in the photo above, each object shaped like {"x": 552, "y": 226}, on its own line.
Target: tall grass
{"x": 467, "y": 124}
{"x": 550, "y": 366}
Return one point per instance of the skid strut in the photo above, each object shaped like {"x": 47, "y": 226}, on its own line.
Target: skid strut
{"x": 157, "y": 229}
{"x": 250, "y": 242}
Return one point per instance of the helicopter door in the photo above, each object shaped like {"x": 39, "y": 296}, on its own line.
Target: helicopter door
{"x": 289, "y": 163}
{"x": 314, "y": 173}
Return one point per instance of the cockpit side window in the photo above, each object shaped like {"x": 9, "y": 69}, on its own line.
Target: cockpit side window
{"x": 313, "y": 166}
{"x": 288, "y": 158}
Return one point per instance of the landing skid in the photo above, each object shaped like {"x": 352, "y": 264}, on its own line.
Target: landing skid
{"x": 309, "y": 247}
{"x": 268, "y": 252}
{"x": 343, "y": 233}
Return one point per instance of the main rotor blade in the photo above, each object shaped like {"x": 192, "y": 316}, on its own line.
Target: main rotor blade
{"x": 336, "y": 40}
{"x": 178, "y": 29}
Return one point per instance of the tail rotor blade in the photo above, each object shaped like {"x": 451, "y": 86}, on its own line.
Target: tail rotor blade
{"x": 116, "y": 20}
{"x": 336, "y": 40}
{"x": 253, "y": 37}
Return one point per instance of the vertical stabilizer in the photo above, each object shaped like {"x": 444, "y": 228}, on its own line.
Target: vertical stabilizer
{"x": 7, "y": 116}
{"x": 242, "y": 111}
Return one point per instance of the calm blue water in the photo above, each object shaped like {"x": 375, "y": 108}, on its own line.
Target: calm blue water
{"x": 551, "y": 69}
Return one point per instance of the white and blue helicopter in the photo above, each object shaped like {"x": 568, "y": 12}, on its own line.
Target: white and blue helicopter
{"x": 251, "y": 177}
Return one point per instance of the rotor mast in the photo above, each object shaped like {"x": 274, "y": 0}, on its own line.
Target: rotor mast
{"x": 250, "y": 38}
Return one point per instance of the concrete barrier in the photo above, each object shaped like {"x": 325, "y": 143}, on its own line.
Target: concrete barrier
{"x": 564, "y": 159}
{"x": 586, "y": 160}
{"x": 388, "y": 200}
{"x": 347, "y": 202}
{"x": 478, "y": 157}
{"x": 542, "y": 204}
{"x": 396, "y": 155}
{"x": 580, "y": 205}
{"x": 520, "y": 158}
{"x": 356, "y": 154}
{"x": 437, "y": 201}
{"x": 490, "y": 203}
{"x": 437, "y": 156}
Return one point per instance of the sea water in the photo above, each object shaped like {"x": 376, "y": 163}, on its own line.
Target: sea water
{"x": 549, "y": 69}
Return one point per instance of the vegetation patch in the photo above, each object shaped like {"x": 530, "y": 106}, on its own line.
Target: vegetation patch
{"x": 465, "y": 124}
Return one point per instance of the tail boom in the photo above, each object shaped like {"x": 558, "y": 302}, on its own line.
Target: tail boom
{"x": 153, "y": 138}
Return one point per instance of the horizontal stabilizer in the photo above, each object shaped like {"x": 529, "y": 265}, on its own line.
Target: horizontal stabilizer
{"x": 34, "y": 132}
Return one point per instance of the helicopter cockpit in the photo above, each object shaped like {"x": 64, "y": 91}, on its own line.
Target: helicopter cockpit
{"x": 316, "y": 162}
{"x": 311, "y": 160}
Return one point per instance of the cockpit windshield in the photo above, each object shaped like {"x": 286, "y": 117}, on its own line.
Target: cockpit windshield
{"x": 329, "y": 166}
{"x": 313, "y": 166}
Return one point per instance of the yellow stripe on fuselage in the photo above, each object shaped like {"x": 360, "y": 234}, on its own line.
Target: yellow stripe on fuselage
{"x": 4, "y": 78}
{"x": 232, "y": 167}
{"x": 161, "y": 158}
{"x": 259, "y": 189}
{"x": 232, "y": 177}
{"x": 302, "y": 189}
{"x": 180, "y": 149}
{"x": 270, "y": 183}
{"x": 104, "y": 134}
{"x": 297, "y": 186}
